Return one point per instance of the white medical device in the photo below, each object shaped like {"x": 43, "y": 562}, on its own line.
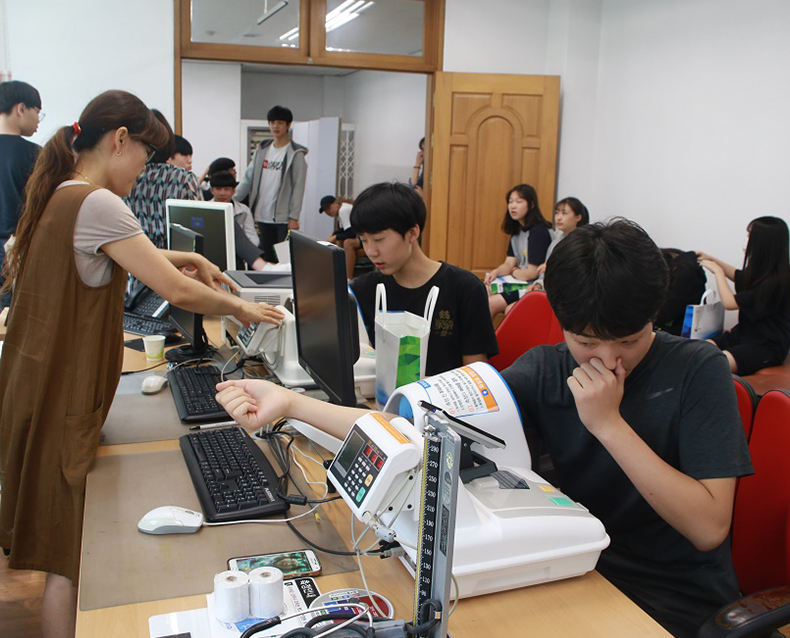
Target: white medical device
{"x": 280, "y": 354}
{"x": 273, "y": 288}
{"x": 374, "y": 461}
{"x": 512, "y": 528}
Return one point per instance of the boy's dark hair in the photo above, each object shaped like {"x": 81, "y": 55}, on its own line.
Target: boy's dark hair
{"x": 533, "y": 217}
{"x": 607, "y": 279}
{"x": 220, "y": 164}
{"x": 388, "y": 206}
{"x": 223, "y": 178}
{"x": 15, "y": 92}
{"x": 183, "y": 147}
{"x": 280, "y": 113}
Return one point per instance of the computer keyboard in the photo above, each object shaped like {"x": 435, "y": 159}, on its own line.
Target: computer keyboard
{"x": 153, "y": 305}
{"x": 140, "y": 325}
{"x": 232, "y": 477}
{"x": 193, "y": 392}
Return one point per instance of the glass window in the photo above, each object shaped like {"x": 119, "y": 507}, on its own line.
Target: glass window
{"x": 263, "y": 23}
{"x": 389, "y": 27}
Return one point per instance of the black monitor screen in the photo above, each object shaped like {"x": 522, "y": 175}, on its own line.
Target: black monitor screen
{"x": 189, "y": 324}
{"x": 212, "y": 220}
{"x": 326, "y": 319}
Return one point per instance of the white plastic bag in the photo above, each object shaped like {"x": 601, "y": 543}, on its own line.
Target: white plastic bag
{"x": 705, "y": 319}
{"x": 401, "y": 344}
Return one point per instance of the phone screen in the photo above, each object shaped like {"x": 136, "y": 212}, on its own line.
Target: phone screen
{"x": 289, "y": 563}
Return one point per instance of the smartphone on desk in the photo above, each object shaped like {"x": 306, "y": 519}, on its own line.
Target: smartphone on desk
{"x": 301, "y": 563}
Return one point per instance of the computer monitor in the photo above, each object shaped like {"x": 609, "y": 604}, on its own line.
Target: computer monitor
{"x": 326, "y": 319}
{"x": 189, "y": 324}
{"x": 212, "y": 220}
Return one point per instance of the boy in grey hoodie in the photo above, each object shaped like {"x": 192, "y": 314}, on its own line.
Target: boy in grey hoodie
{"x": 274, "y": 183}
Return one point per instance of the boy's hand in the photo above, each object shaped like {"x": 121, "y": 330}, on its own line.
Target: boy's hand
{"x": 598, "y": 392}
{"x": 253, "y": 403}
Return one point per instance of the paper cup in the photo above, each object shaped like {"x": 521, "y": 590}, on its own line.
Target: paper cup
{"x": 154, "y": 347}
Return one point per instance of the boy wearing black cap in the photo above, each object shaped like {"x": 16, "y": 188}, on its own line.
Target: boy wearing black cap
{"x": 274, "y": 183}
{"x": 344, "y": 236}
{"x": 223, "y": 187}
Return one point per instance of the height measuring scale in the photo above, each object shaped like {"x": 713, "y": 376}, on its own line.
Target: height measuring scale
{"x": 441, "y": 460}
{"x": 375, "y": 462}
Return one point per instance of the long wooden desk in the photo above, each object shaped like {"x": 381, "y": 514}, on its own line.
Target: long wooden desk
{"x": 586, "y": 606}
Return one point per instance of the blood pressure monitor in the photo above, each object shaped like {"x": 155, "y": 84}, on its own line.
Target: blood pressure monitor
{"x": 374, "y": 458}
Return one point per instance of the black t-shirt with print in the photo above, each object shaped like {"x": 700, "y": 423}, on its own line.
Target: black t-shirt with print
{"x": 461, "y": 319}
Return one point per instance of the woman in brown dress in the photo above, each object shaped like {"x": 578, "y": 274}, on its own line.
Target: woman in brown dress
{"x": 63, "y": 351}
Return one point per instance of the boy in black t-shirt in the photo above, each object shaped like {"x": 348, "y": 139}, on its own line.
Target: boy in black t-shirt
{"x": 20, "y": 113}
{"x": 642, "y": 427}
{"x": 389, "y": 219}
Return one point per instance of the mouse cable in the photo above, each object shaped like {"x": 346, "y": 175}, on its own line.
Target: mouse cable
{"x": 163, "y": 362}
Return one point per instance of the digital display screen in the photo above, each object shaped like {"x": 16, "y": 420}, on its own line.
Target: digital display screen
{"x": 349, "y": 453}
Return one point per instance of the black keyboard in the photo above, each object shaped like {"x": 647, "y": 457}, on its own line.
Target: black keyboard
{"x": 233, "y": 479}
{"x": 193, "y": 392}
{"x": 152, "y": 305}
{"x": 139, "y": 325}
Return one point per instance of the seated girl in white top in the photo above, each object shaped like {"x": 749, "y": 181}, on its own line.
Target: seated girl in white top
{"x": 569, "y": 214}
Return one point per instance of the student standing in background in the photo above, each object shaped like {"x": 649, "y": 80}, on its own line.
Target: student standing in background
{"x": 274, "y": 183}
{"x": 20, "y": 113}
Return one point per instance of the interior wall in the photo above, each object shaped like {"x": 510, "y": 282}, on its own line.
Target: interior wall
{"x": 303, "y": 94}
{"x": 211, "y": 102}
{"x": 71, "y": 52}
{"x": 692, "y": 124}
{"x": 388, "y": 110}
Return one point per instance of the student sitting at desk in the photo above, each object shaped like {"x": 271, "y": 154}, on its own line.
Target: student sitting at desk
{"x": 63, "y": 351}
{"x": 223, "y": 187}
{"x": 389, "y": 219}
{"x": 642, "y": 426}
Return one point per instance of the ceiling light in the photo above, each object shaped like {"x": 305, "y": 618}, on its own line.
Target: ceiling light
{"x": 268, "y": 14}
{"x": 345, "y": 12}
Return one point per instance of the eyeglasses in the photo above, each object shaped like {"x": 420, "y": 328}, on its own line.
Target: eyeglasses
{"x": 41, "y": 115}
{"x": 151, "y": 152}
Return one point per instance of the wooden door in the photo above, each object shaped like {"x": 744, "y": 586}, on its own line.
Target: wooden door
{"x": 490, "y": 132}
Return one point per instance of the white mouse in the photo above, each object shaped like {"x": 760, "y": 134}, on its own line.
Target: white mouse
{"x": 170, "y": 520}
{"x": 153, "y": 384}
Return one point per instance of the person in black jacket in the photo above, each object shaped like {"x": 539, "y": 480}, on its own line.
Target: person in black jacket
{"x": 686, "y": 286}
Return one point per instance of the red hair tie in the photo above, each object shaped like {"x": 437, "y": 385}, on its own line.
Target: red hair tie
{"x": 76, "y": 127}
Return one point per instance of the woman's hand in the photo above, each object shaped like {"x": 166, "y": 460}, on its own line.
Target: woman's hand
{"x": 701, "y": 255}
{"x": 253, "y": 403}
{"x": 258, "y": 313}
{"x": 711, "y": 265}
{"x": 419, "y": 159}
{"x": 201, "y": 269}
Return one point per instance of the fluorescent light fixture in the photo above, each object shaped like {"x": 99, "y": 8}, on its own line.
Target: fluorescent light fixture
{"x": 345, "y": 12}
{"x": 268, "y": 14}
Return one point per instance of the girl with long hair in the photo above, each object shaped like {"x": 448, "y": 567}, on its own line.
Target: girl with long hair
{"x": 529, "y": 241}
{"x": 762, "y": 296}
{"x": 63, "y": 350}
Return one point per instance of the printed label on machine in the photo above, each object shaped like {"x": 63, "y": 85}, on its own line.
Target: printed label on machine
{"x": 463, "y": 392}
